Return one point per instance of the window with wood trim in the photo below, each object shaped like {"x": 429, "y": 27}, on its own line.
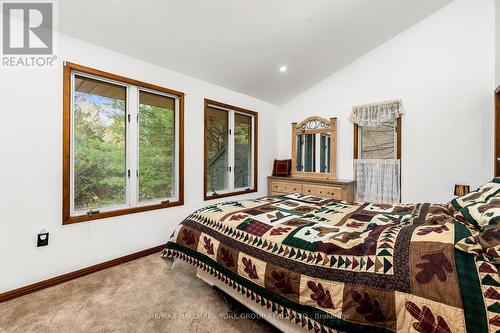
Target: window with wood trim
{"x": 123, "y": 145}
{"x": 230, "y": 161}
{"x": 381, "y": 142}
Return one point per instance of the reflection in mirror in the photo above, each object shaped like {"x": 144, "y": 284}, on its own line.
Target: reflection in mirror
{"x": 312, "y": 157}
{"x": 300, "y": 157}
{"x": 324, "y": 153}
{"x": 305, "y": 152}
{"x": 309, "y": 150}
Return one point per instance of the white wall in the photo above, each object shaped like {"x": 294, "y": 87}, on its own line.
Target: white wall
{"x": 443, "y": 69}
{"x": 31, "y": 168}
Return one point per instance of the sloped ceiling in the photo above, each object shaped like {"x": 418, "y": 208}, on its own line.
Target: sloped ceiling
{"x": 240, "y": 44}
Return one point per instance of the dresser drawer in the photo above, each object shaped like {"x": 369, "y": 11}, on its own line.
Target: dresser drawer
{"x": 284, "y": 187}
{"x": 323, "y": 191}
{"x": 327, "y": 189}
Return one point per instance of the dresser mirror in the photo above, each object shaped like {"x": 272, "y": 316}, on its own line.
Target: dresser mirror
{"x": 314, "y": 148}
{"x": 313, "y": 152}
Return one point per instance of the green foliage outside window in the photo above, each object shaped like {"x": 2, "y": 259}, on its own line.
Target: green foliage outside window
{"x": 156, "y": 152}
{"x": 99, "y": 151}
{"x": 242, "y": 151}
{"x": 217, "y": 149}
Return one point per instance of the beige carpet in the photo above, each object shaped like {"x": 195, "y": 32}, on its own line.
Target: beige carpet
{"x": 140, "y": 296}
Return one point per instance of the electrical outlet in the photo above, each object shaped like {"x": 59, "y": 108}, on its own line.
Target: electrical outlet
{"x": 42, "y": 239}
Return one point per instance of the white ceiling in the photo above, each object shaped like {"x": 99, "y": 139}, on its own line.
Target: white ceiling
{"x": 240, "y": 44}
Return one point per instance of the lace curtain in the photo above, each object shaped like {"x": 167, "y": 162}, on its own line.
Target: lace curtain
{"x": 373, "y": 115}
{"x": 377, "y": 180}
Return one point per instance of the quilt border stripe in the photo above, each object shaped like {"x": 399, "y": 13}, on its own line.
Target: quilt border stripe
{"x": 322, "y": 318}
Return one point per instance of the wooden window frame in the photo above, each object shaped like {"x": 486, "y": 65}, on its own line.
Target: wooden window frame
{"x": 496, "y": 157}
{"x": 398, "y": 138}
{"x": 66, "y": 158}
{"x": 205, "y": 144}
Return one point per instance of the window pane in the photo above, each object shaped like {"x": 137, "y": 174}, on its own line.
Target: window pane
{"x": 99, "y": 144}
{"x": 242, "y": 150}
{"x": 156, "y": 146}
{"x": 378, "y": 142}
{"x": 217, "y": 149}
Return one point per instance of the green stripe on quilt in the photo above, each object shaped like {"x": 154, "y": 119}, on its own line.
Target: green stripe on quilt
{"x": 455, "y": 204}
{"x": 321, "y": 317}
{"x": 494, "y": 194}
{"x": 470, "y": 287}
{"x": 465, "y": 212}
{"x": 293, "y": 241}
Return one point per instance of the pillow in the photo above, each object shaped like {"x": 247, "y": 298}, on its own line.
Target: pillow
{"x": 481, "y": 194}
{"x": 490, "y": 237}
{"x": 483, "y": 213}
{"x": 485, "y": 244}
{"x": 282, "y": 168}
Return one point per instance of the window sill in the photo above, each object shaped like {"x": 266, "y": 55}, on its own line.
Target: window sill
{"x": 225, "y": 195}
{"x": 103, "y": 215}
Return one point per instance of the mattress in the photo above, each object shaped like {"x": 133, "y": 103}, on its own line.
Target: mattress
{"x": 329, "y": 265}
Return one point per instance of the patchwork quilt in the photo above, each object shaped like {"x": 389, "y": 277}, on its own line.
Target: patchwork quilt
{"x": 329, "y": 265}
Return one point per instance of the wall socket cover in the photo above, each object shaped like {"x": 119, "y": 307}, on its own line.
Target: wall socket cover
{"x": 42, "y": 239}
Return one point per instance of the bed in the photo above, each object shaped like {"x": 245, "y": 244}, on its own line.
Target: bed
{"x": 326, "y": 265}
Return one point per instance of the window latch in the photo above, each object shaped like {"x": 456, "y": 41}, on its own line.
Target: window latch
{"x": 165, "y": 201}
{"x": 128, "y": 173}
{"x": 129, "y": 117}
{"x": 92, "y": 212}
{"x": 229, "y": 168}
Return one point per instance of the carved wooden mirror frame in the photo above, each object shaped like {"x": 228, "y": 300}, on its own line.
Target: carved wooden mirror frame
{"x": 313, "y": 125}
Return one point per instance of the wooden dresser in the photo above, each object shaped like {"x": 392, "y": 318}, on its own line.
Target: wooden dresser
{"x": 336, "y": 189}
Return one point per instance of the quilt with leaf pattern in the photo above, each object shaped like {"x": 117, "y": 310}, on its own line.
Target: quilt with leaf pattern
{"x": 329, "y": 265}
